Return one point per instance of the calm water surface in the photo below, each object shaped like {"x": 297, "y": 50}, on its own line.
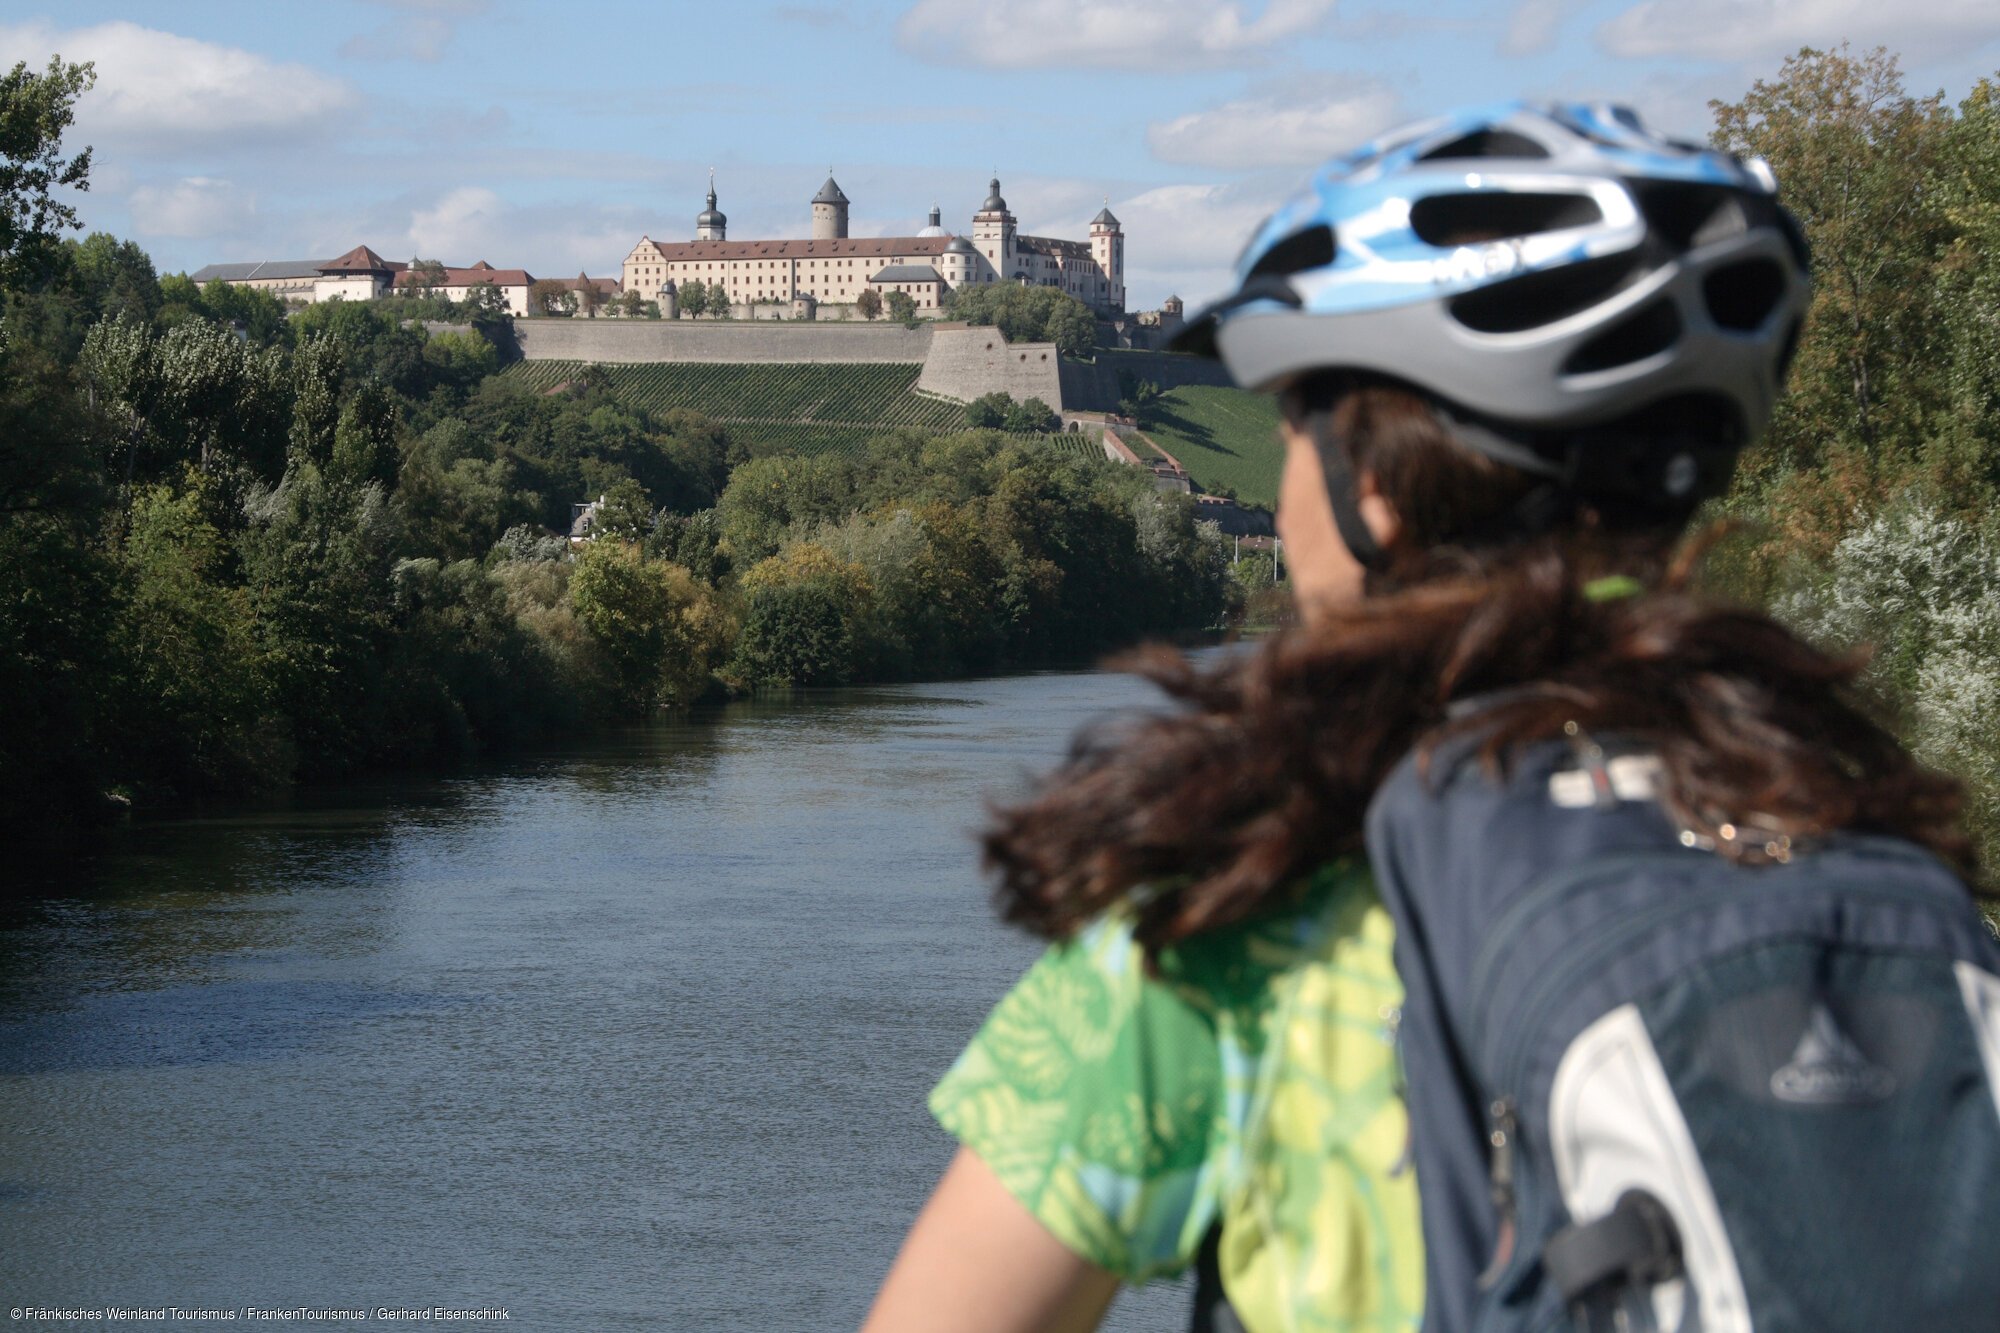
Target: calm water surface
{"x": 633, "y": 1035}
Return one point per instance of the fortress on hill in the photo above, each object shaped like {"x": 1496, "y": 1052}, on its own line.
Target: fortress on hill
{"x": 831, "y": 269}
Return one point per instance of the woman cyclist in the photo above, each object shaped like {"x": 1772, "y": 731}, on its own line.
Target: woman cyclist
{"x": 1514, "y": 348}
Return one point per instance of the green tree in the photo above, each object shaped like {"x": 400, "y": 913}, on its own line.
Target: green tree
{"x": 364, "y": 442}
{"x": 191, "y": 711}
{"x": 869, "y": 303}
{"x": 1137, "y": 398}
{"x": 657, "y": 629}
{"x": 803, "y": 618}
{"x": 426, "y": 276}
{"x": 484, "y": 300}
{"x": 115, "y": 278}
{"x": 1033, "y": 417}
{"x": 548, "y": 296}
{"x": 35, "y": 110}
{"x": 989, "y": 410}
{"x": 316, "y": 373}
{"x": 461, "y": 359}
{"x": 718, "y": 300}
{"x": 316, "y": 559}
{"x": 1030, "y": 314}
{"x": 692, "y": 298}
{"x": 902, "y": 307}
{"x": 625, "y": 515}
{"x": 121, "y": 372}
{"x": 1856, "y": 155}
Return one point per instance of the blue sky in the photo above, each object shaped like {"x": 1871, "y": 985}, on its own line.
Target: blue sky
{"x": 551, "y": 136}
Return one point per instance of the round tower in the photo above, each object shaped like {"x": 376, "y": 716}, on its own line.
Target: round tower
{"x": 1107, "y": 247}
{"x": 670, "y": 300}
{"x": 711, "y": 225}
{"x": 829, "y": 212}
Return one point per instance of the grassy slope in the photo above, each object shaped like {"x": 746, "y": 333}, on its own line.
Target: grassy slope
{"x": 1223, "y": 437}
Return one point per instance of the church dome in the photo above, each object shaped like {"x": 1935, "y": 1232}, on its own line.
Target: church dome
{"x": 958, "y": 245}
{"x": 994, "y": 203}
{"x": 935, "y": 227}
{"x": 710, "y": 216}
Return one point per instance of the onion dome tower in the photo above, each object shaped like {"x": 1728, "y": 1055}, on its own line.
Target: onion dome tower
{"x": 711, "y": 225}
{"x": 993, "y": 231}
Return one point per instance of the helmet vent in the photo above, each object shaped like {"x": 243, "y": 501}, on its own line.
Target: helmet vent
{"x": 1648, "y": 331}
{"x": 1487, "y": 143}
{"x": 1535, "y": 299}
{"x": 1302, "y": 250}
{"x": 1463, "y": 219}
{"x": 1686, "y": 216}
{"x": 1742, "y": 296}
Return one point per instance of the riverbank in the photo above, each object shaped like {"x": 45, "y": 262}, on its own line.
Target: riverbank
{"x": 632, "y": 1034}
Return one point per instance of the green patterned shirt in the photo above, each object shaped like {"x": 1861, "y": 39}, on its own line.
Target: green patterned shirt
{"x": 1251, "y": 1082}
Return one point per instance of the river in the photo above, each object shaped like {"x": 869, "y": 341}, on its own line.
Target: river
{"x": 629, "y": 1034}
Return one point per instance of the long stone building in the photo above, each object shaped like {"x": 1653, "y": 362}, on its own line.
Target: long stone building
{"x": 830, "y": 268}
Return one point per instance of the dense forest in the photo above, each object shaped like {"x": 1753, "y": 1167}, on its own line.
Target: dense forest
{"x": 246, "y": 546}
{"x": 1871, "y": 516}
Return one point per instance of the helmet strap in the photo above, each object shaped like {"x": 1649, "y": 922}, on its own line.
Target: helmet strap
{"x": 1344, "y": 495}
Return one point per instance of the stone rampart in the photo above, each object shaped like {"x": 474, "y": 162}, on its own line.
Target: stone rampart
{"x": 645, "y": 341}
{"x": 1094, "y": 386}
{"x": 968, "y": 362}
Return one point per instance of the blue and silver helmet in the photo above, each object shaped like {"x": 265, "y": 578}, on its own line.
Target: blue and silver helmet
{"x": 1536, "y": 268}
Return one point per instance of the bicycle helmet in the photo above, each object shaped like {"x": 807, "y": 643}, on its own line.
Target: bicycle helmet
{"x": 1588, "y": 300}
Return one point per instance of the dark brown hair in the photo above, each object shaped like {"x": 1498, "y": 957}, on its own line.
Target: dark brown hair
{"x": 1264, "y": 768}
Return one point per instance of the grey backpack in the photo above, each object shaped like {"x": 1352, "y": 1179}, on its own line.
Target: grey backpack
{"x": 1654, "y": 1088}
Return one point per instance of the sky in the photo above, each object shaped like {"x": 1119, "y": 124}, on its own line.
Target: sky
{"x": 551, "y": 137}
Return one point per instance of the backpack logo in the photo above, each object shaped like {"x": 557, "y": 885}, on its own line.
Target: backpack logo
{"x": 1828, "y": 1069}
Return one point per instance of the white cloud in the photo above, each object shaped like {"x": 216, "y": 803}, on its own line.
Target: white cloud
{"x": 191, "y": 206}
{"x": 1115, "y": 34}
{"x": 468, "y": 222}
{"x": 421, "y": 32}
{"x": 549, "y": 240}
{"x": 1533, "y": 26}
{"x": 1754, "y": 29}
{"x": 1181, "y": 239}
{"x": 1273, "y": 131}
{"x": 157, "y": 87}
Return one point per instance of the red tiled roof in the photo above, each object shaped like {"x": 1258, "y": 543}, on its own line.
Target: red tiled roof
{"x": 611, "y": 285}
{"x": 867, "y": 247}
{"x": 482, "y": 264}
{"x": 360, "y": 260}
{"x": 467, "y": 277}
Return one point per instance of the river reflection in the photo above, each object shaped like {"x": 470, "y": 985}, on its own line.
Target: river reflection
{"x": 634, "y": 1034}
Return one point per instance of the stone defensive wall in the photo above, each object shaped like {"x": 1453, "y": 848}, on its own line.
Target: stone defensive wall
{"x": 1092, "y": 386}
{"x": 645, "y": 341}
{"x": 968, "y": 362}
{"x": 959, "y": 361}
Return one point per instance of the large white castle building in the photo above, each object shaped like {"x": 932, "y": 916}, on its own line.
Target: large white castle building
{"x": 830, "y": 268}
